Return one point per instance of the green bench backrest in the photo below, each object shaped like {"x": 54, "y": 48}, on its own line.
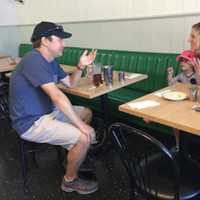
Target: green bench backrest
{"x": 152, "y": 64}
{"x": 24, "y": 48}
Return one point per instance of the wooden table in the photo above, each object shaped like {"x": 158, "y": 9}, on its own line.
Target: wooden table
{"x": 176, "y": 114}
{"x": 5, "y": 65}
{"x": 86, "y": 89}
{"x": 3, "y": 56}
{"x": 66, "y": 68}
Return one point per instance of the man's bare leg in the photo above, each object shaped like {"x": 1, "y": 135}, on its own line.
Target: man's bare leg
{"x": 76, "y": 156}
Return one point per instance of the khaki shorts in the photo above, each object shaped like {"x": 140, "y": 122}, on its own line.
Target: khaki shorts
{"x": 55, "y": 128}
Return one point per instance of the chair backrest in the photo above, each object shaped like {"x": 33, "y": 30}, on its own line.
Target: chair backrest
{"x": 4, "y": 110}
{"x": 152, "y": 169}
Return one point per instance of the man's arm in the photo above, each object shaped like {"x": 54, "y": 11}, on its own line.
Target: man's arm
{"x": 170, "y": 74}
{"x": 85, "y": 59}
{"x": 72, "y": 80}
{"x": 64, "y": 105}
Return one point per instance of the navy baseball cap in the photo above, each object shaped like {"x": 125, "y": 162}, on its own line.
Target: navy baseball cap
{"x": 45, "y": 29}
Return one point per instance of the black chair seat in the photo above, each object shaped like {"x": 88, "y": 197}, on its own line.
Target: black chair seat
{"x": 32, "y": 148}
{"x": 155, "y": 172}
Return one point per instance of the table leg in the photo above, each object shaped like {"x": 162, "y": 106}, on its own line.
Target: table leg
{"x": 105, "y": 109}
{"x": 102, "y": 134}
{"x": 3, "y": 77}
{"x": 184, "y": 144}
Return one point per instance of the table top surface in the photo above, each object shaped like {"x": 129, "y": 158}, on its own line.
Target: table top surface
{"x": 6, "y": 65}
{"x": 176, "y": 114}
{"x": 85, "y": 88}
{"x": 2, "y": 55}
{"x": 66, "y": 68}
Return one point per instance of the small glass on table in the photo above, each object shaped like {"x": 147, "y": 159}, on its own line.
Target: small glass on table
{"x": 13, "y": 60}
{"x": 196, "y": 106}
{"x": 97, "y": 77}
{"x": 121, "y": 76}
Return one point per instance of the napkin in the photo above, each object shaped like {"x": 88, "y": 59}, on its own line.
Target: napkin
{"x": 131, "y": 76}
{"x": 92, "y": 88}
{"x": 144, "y": 104}
{"x": 159, "y": 94}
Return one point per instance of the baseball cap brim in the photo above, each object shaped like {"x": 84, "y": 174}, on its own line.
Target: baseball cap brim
{"x": 178, "y": 58}
{"x": 61, "y": 34}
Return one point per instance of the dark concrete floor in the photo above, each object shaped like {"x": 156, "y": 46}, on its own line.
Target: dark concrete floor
{"x": 44, "y": 181}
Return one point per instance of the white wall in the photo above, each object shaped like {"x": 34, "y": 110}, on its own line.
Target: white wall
{"x": 8, "y": 12}
{"x": 154, "y": 35}
{"x": 89, "y": 10}
{"x": 9, "y": 40}
{"x": 145, "y": 25}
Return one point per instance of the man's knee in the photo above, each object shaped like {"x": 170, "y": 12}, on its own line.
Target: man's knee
{"x": 87, "y": 115}
{"x": 84, "y": 140}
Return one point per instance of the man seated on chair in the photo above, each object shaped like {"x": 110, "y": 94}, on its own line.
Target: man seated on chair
{"x": 42, "y": 113}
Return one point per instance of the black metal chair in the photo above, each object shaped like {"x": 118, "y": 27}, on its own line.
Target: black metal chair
{"x": 4, "y": 110}
{"x": 32, "y": 148}
{"x": 154, "y": 172}
{"x": 25, "y": 146}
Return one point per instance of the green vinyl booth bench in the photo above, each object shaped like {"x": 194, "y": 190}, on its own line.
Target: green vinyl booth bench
{"x": 152, "y": 64}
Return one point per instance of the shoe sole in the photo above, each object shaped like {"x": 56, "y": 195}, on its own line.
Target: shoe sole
{"x": 66, "y": 189}
{"x": 86, "y": 170}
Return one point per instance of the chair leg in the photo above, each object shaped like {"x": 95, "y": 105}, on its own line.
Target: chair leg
{"x": 119, "y": 143}
{"x": 33, "y": 154}
{"x": 24, "y": 159}
{"x": 24, "y": 164}
{"x": 60, "y": 154}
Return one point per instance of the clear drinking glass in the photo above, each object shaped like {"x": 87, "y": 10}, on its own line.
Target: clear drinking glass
{"x": 198, "y": 97}
{"x": 11, "y": 61}
{"x": 193, "y": 89}
{"x": 89, "y": 72}
{"x": 196, "y": 106}
{"x": 97, "y": 78}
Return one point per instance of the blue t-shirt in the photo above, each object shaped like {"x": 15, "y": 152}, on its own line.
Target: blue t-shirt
{"x": 28, "y": 102}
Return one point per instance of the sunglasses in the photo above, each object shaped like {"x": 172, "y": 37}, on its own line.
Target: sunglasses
{"x": 57, "y": 28}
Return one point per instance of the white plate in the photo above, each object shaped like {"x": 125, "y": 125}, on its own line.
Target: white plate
{"x": 174, "y": 96}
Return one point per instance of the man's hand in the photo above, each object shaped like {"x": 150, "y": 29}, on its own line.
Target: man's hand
{"x": 170, "y": 71}
{"x": 196, "y": 65}
{"x": 87, "y": 58}
{"x": 146, "y": 120}
{"x": 88, "y": 131}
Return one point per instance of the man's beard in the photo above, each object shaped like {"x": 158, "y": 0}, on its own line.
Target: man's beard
{"x": 59, "y": 54}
